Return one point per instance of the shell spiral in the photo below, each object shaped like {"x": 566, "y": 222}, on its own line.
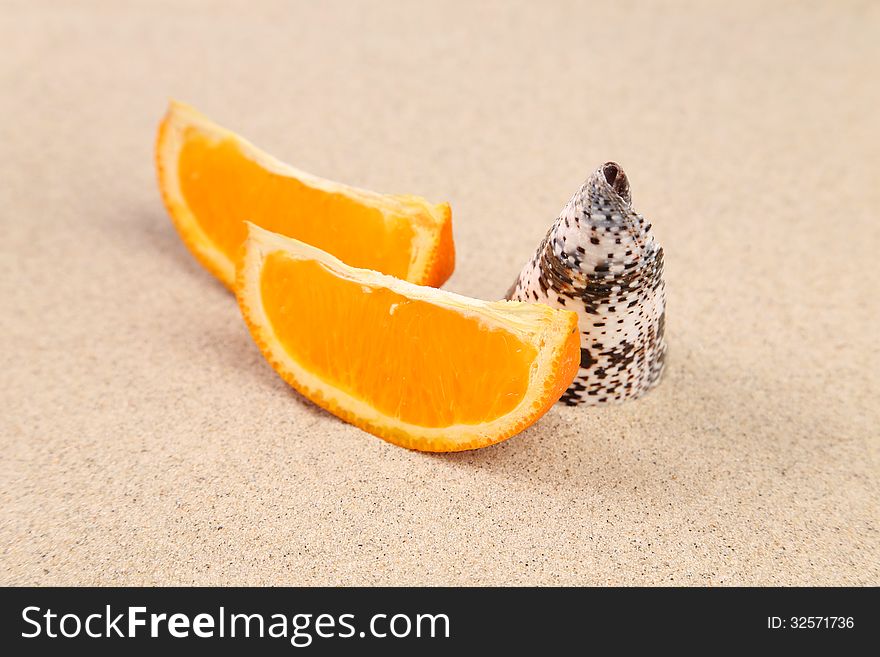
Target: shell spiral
{"x": 600, "y": 259}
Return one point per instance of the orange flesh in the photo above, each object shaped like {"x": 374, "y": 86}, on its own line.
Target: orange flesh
{"x": 390, "y": 350}
{"x": 228, "y": 188}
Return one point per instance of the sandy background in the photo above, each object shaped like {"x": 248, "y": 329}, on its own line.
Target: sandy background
{"x": 145, "y": 440}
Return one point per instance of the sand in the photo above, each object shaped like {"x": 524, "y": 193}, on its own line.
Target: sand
{"x": 145, "y": 440}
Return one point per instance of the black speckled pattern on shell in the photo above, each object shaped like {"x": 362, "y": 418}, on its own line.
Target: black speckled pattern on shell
{"x": 601, "y": 260}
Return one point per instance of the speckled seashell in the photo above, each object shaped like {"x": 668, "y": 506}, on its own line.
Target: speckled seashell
{"x": 601, "y": 260}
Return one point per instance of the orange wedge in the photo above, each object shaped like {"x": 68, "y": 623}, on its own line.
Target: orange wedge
{"x": 420, "y": 367}
{"x": 212, "y": 180}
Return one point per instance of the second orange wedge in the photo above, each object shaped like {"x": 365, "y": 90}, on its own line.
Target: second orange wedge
{"x": 420, "y": 367}
{"x": 212, "y": 180}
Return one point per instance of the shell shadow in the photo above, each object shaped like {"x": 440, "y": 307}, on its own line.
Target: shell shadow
{"x": 698, "y": 427}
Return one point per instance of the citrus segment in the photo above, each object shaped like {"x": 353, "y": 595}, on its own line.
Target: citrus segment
{"x": 422, "y": 368}
{"x": 483, "y": 376}
{"x": 212, "y": 180}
